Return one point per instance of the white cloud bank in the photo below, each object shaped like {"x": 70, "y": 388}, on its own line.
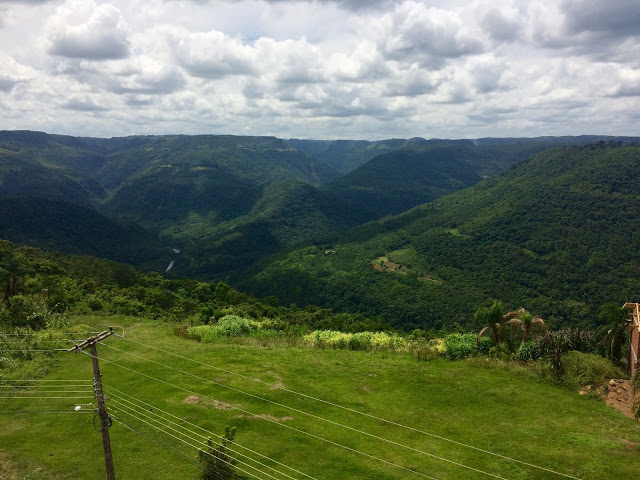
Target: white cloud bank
{"x": 321, "y": 69}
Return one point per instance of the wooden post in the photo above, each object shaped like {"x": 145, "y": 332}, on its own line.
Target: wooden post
{"x": 102, "y": 412}
{"x": 105, "y": 422}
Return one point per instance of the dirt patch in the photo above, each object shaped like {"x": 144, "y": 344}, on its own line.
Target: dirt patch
{"x": 196, "y": 400}
{"x": 7, "y": 471}
{"x": 267, "y": 417}
{"x": 620, "y": 396}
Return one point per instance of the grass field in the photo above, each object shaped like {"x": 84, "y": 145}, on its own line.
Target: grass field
{"x": 477, "y": 402}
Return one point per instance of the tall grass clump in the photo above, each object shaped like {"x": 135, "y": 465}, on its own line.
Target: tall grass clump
{"x": 367, "y": 341}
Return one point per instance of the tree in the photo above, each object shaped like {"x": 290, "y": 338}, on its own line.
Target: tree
{"x": 616, "y": 319}
{"x": 491, "y": 317}
{"x": 216, "y": 461}
{"x": 526, "y": 322}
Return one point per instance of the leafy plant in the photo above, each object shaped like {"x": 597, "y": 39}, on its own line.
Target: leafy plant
{"x": 216, "y": 460}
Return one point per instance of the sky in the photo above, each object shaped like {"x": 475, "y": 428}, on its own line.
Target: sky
{"x": 323, "y": 69}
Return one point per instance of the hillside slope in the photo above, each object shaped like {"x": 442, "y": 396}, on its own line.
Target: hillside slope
{"x": 287, "y": 214}
{"x": 555, "y": 234}
{"x": 60, "y": 226}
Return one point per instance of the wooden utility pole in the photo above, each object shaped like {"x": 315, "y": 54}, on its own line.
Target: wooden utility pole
{"x": 105, "y": 421}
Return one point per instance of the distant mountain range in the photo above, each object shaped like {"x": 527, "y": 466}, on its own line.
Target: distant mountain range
{"x": 289, "y": 217}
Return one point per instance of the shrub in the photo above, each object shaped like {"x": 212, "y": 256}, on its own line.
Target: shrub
{"x": 582, "y": 369}
{"x": 26, "y": 311}
{"x": 528, "y": 351}
{"x": 368, "y": 341}
{"x": 228, "y": 326}
{"x": 460, "y": 345}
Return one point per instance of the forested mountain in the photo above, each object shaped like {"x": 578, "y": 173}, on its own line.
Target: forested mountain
{"x": 288, "y": 213}
{"x": 347, "y": 155}
{"x": 556, "y": 234}
{"x": 422, "y": 170}
{"x": 56, "y": 225}
{"x": 230, "y": 203}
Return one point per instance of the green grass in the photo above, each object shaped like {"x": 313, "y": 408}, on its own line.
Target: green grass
{"x": 477, "y": 402}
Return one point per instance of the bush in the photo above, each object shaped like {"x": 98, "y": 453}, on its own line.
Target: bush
{"x": 368, "y": 341}
{"x": 26, "y": 311}
{"x": 582, "y": 369}
{"x": 528, "y": 351}
{"x": 460, "y": 345}
{"x": 228, "y": 326}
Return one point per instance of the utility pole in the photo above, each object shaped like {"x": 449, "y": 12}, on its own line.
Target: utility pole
{"x": 105, "y": 421}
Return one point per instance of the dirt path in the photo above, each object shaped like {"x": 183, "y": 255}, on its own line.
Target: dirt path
{"x": 620, "y": 396}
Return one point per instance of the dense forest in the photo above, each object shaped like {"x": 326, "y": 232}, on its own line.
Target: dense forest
{"x": 555, "y": 234}
{"x": 477, "y": 219}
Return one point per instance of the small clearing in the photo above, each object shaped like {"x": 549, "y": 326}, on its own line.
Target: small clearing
{"x": 196, "y": 400}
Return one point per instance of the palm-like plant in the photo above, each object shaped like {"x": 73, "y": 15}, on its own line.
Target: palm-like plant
{"x": 526, "y": 322}
{"x": 617, "y": 320}
{"x": 492, "y": 318}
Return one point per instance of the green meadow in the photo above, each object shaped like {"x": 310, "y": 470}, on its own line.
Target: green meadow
{"x": 481, "y": 403}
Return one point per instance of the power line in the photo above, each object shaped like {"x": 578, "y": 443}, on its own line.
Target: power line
{"x": 43, "y": 380}
{"x": 37, "y": 412}
{"x": 121, "y": 399}
{"x": 362, "y": 432}
{"x": 43, "y": 386}
{"x": 28, "y": 350}
{"x": 55, "y": 391}
{"x": 390, "y": 422}
{"x": 40, "y": 398}
{"x": 211, "y": 433}
{"x": 373, "y": 457}
{"x": 187, "y": 443}
{"x": 190, "y": 437}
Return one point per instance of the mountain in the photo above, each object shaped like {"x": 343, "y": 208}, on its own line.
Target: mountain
{"x": 556, "y": 234}
{"x": 347, "y": 155}
{"x": 423, "y": 170}
{"x": 179, "y": 187}
{"x": 61, "y": 226}
{"x": 33, "y": 163}
{"x": 288, "y": 213}
{"x": 415, "y": 174}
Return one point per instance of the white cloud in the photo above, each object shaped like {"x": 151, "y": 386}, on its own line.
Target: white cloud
{"x": 321, "y": 68}
{"x": 101, "y": 35}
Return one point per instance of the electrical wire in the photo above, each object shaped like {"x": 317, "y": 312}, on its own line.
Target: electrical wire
{"x": 210, "y": 433}
{"x": 28, "y": 350}
{"x": 55, "y": 391}
{"x": 43, "y": 380}
{"x": 41, "y": 398}
{"x": 121, "y": 399}
{"x": 36, "y": 334}
{"x": 283, "y": 425}
{"x": 42, "y": 386}
{"x": 390, "y": 422}
{"x": 187, "y": 443}
{"x": 203, "y": 442}
{"x": 317, "y": 417}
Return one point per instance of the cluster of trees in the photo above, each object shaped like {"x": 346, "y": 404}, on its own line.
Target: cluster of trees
{"x": 38, "y": 286}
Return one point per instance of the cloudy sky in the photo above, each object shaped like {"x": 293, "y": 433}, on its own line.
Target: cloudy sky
{"x": 321, "y": 69}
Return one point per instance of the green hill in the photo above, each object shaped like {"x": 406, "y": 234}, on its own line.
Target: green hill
{"x": 287, "y": 214}
{"x": 555, "y": 234}
{"x": 70, "y": 228}
{"x": 410, "y": 176}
